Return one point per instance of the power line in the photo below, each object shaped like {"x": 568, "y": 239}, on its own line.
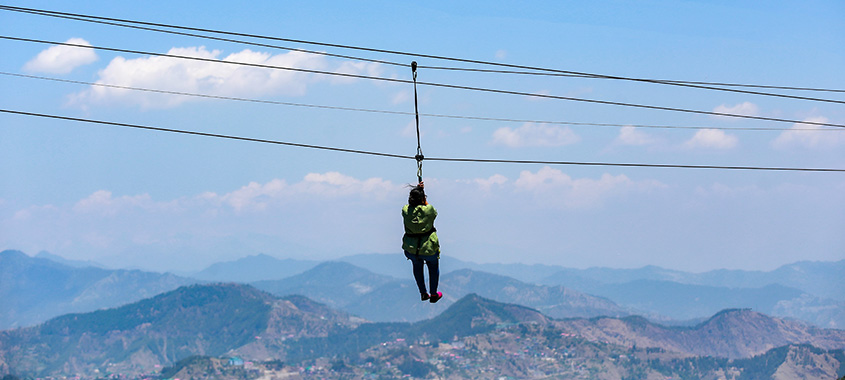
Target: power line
{"x": 545, "y": 71}
{"x": 622, "y": 104}
{"x": 221, "y": 97}
{"x": 195, "y": 133}
{"x": 698, "y": 85}
{"x": 442, "y": 85}
{"x": 363, "y": 152}
{"x": 404, "y": 113}
{"x": 91, "y": 20}
{"x": 645, "y": 79}
{"x": 676, "y": 166}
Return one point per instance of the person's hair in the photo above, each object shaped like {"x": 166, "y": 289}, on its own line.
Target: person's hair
{"x": 416, "y": 197}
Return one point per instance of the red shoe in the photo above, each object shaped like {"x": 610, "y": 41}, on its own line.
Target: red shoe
{"x": 435, "y": 297}
{"x": 423, "y": 296}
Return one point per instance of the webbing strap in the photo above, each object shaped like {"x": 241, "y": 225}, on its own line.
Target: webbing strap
{"x": 419, "y": 157}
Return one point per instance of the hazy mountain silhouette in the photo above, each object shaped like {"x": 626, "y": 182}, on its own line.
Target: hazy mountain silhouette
{"x": 70, "y": 263}
{"x": 384, "y": 299}
{"x": 254, "y": 268}
{"x": 334, "y": 283}
{"x": 822, "y": 279}
{"x": 33, "y": 290}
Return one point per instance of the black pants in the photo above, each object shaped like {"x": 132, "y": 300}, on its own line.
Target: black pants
{"x": 433, "y": 264}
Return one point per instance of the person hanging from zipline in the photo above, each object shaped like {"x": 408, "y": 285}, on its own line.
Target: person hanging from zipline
{"x": 420, "y": 242}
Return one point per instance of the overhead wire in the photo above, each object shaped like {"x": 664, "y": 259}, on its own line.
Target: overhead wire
{"x": 644, "y": 80}
{"x": 222, "y": 97}
{"x": 93, "y": 20}
{"x": 390, "y": 155}
{"x": 640, "y": 165}
{"x": 573, "y": 75}
{"x": 535, "y": 70}
{"x": 205, "y": 134}
{"x": 405, "y": 113}
{"x": 441, "y": 85}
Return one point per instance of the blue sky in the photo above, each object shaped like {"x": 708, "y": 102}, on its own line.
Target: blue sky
{"x": 160, "y": 201}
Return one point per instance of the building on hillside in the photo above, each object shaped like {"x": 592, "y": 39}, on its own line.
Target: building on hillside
{"x": 236, "y": 361}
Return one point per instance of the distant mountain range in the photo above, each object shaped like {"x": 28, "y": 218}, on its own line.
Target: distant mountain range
{"x": 396, "y": 265}
{"x": 336, "y": 284}
{"x": 33, "y": 290}
{"x": 808, "y": 291}
{"x": 647, "y": 291}
{"x": 254, "y": 268}
{"x": 822, "y": 279}
{"x": 473, "y": 338}
{"x": 684, "y": 301}
{"x": 70, "y": 263}
{"x": 373, "y": 285}
{"x": 385, "y": 299}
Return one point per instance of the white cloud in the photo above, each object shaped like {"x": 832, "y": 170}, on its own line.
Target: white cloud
{"x": 253, "y": 196}
{"x": 711, "y": 139}
{"x": 356, "y": 68}
{"x": 629, "y": 135}
{"x": 810, "y": 136}
{"x": 744, "y": 108}
{"x": 335, "y": 184}
{"x": 101, "y": 202}
{"x": 487, "y": 183}
{"x": 33, "y": 212}
{"x": 330, "y": 185}
{"x": 212, "y": 78}
{"x": 531, "y": 134}
{"x": 501, "y": 54}
{"x": 558, "y": 188}
{"x": 62, "y": 59}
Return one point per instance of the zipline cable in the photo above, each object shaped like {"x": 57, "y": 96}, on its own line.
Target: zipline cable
{"x": 699, "y": 84}
{"x": 442, "y": 85}
{"x": 369, "y": 110}
{"x": 419, "y": 157}
{"x": 356, "y": 151}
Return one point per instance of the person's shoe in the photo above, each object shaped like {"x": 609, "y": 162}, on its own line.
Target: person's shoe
{"x": 423, "y": 296}
{"x": 435, "y": 297}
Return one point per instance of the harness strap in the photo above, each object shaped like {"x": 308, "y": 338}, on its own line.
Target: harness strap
{"x": 421, "y": 234}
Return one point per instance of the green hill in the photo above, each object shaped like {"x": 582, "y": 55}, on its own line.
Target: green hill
{"x": 163, "y": 329}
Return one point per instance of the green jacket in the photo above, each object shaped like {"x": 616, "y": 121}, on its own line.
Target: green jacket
{"x": 420, "y": 236}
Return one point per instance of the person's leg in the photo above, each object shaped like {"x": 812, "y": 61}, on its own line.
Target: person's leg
{"x": 418, "y": 272}
{"x": 433, "y": 274}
